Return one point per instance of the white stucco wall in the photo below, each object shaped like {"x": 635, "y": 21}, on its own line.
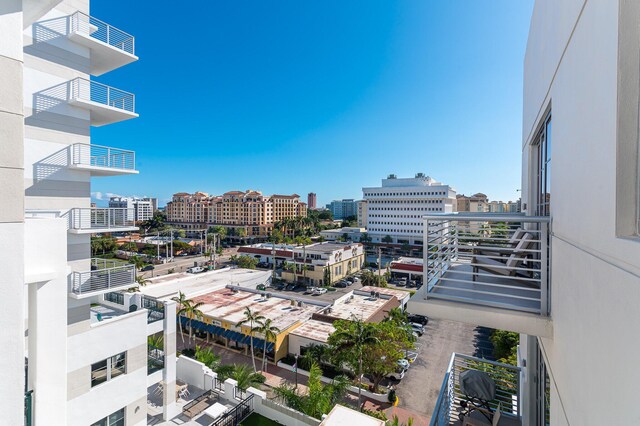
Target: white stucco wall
{"x": 571, "y": 66}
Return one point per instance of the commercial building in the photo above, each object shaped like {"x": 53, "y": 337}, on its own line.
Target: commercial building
{"x": 342, "y": 209}
{"x": 502, "y": 207}
{"x": 476, "y": 203}
{"x": 573, "y": 295}
{"x": 312, "y": 200}
{"x": 395, "y": 209}
{"x": 339, "y": 234}
{"x": 139, "y": 209}
{"x": 246, "y": 213}
{"x": 311, "y": 264}
{"x": 411, "y": 268}
{"x": 361, "y": 206}
{"x": 80, "y": 357}
{"x": 223, "y": 309}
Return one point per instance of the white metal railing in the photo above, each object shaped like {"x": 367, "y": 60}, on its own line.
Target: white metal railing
{"x": 505, "y": 376}
{"x": 42, "y": 213}
{"x": 499, "y": 260}
{"x": 100, "y": 218}
{"x": 103, "y": 156}
{"x": 89, "y": 90}
{"x": 105, "y": 274}
{"x": 83, "y": 23}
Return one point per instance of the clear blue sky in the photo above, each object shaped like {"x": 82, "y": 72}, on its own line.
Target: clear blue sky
{"x": 322, "y": 96}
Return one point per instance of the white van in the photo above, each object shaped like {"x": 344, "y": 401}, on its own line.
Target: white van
{"x": 195, "y": 269}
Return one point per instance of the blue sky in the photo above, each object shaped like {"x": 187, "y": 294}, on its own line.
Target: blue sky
{"x": 323, "y": 96}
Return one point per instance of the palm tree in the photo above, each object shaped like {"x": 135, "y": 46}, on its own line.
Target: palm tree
{"x": 245, "y": 378}
{"x": 137, "y": 261}
{"x": 207, "y": 357}
{"x": 251, "y": 318}
{"x": 142, "y": 280}
{"x": 192, "y": 310}
{"x": 181, "y": 301}
{"x": 397, "y": 315}
{"x": 269, "y": 331}
{"x": 355, "y": 339}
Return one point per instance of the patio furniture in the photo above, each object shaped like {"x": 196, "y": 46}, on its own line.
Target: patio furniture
{"x": 501, "y": 250}
{"x": 478, "y": 389}
{"x": 182, "y": 391}
{"x": 480, "y": 421}
{"x": 159, "y": 388}
{"x": 199, "y": 404}
{"x": 508, "y": 267}
{"x": 216, "y": 410}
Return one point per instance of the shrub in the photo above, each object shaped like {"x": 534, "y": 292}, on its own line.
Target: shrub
{"x": 377, "y": 414}
{"x": 392, "y": 396}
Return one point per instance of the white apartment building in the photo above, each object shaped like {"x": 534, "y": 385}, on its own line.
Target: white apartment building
{"x": 573, "y": 295}
{"x": 81, "y": 358}
{"x": 138, "y": 209}
{"x": 396, "y": 208}
{"x": 362, "y": 213}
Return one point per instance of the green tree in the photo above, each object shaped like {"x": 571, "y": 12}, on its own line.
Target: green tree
{"x": 387, "y": 239}
{"x": 319, "y": 400}
{"x": 270, "y": 332}
{"x": 241, "y": 232}
{"x": 192, "y": 310}
{"x": 365, "y": 238}
{"x": 370, "y": 278}
{"x": 349, "y": 342}
{"x": 142, "y": 280}
{"x": 245, "y": 378}
{"x": 137, "y": 261}
{"x": 505, "y": 346}
{"x": 129, "y": 246}
{"x": 247, "y": 262}
{"x": 381, "y": 357}
{"x": 327, "y": 276}
{"x": 251, "y": 318}
{"x": 207, "y": 357}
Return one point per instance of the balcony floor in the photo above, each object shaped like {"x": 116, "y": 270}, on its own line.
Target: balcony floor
{"x": 487, "y": 290}
{"x": 106, "y": 313}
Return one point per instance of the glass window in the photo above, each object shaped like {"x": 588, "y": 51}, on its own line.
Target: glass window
{"x": 543, "y": 169}
{"x": 108, "y": 369}
{"x": 115, "y": 419}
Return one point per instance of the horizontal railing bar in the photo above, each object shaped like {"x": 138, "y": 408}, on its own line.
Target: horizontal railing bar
{"x": 478, "y": 217}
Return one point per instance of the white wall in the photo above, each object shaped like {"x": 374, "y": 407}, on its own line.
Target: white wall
{"x": 571, "y": 66}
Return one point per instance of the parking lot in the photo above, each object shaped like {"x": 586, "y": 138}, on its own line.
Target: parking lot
{"x": 328, "y": 297}
{"x": 419, "y": 389}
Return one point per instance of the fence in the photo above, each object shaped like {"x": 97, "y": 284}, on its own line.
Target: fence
{"x": 237, "y": 414}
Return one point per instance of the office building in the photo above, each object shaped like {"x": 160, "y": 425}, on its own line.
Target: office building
{"x": 361, "y": 206}
{"x": 139, "y": 209}
{"x": 395, "y": 209}
{"x": 312, "y": 201}
{"x": 568, "y": 279}
{"x": 342, "y": 209}
{"x": 81, "y": 358}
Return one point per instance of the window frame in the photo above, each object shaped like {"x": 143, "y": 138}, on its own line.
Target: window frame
{"x": 111, "y": 364}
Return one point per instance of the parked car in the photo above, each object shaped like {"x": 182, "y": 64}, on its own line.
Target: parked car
{"x": 261, "y": 287}
{"x": 319, "y": 290}
{"x": 403, "y": 363}
{"x": 263, "y": 265}
{"x": 280, "y": 286}
{"x": 350, "y": 279}
{"x": 419, "y": 319}
{"x": 411, "y": 284}
{"x": 148, "y": 268}
{"x": 418, "y": 328}
{"x": 340, "y": 284}
{"x": 291, "y": 287}
{"x": 310, "y": 290}
{"x": 195, "y": 269}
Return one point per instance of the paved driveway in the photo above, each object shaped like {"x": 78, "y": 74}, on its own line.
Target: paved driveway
{"x": 419, "y": 389}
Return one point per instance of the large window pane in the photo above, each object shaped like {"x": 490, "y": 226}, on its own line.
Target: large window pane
{"x": 98, "y": 373}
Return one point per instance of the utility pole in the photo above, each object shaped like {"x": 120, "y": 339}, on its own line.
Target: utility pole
{"x": 158, "y": 243}
{"x": 379, "y": 259}
{"x": 172, "y": 244}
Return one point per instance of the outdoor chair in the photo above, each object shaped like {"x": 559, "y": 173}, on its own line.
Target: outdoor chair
{"x": 508, "y": 266}
{"x": 502, "y": 250}
{"x": 482, "y": 420}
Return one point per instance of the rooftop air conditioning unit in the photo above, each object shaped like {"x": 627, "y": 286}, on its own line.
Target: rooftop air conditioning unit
{"x": 392, "y": 176}
{"x": 268, "y": 295}
{"x": 419, "y": 175}
{"x": 300, "y": 304}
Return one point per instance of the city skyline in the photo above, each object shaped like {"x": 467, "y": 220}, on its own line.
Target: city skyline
{"x": 310, "y": 105}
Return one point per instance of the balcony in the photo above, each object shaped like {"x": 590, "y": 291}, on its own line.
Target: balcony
{"x": 98, "y": 220}
{"x": 110, "y": 47}
{"x": 487, "y": 269}
{"x": 102, "y": 160}
{"x": 106, "y": 104}
{"x": 104, "y": 276}
{"x": 505, "y": 377}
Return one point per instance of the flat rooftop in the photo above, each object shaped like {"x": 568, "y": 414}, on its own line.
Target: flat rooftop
{"x": 228, "y": 305}
{"x": 360, "y": 306}
{"x": 168, "y": 286}
{"x": 399, "y": 294}
{"x": 327, "y": 247}
{"x": 315, "y": 330}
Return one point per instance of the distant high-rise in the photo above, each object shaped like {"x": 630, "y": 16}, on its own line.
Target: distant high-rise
{"x": 311, "y": 200}
{"x": 342, "y": 209}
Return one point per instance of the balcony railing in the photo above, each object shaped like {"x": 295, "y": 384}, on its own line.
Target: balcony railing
{"x": 488, "y": 259}
{"x": 448, "y": 409}
{"x": 92, "y": 91}
{"x": 105, "y": 275}
{"x": 83, "y": 23}
{"x": 101, "y": 219}
{"x": 88, "y": 156}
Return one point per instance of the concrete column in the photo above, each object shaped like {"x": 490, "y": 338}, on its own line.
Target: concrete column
{"x": 229, "y": 389}
{"x": 12, "y": 291}
{"x": 170, "y": 409}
